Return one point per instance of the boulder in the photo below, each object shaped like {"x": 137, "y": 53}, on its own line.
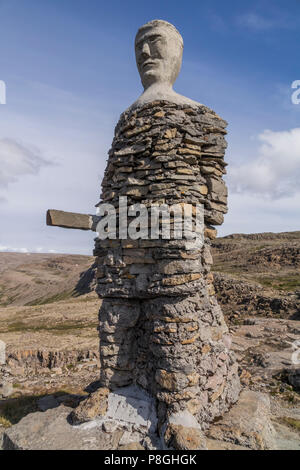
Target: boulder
{"x": 183, "y": 432}
{"x": 184, "y": 438}
{"x": 6, "y": 389}
{"x": 2, "y": 353}
{"x": 213, "y": 444}
{"x": 248, "y": 423}
{"x": 93, "y": 406}
{"x": 132, "y": 446}
{"x": 51, "y": 430}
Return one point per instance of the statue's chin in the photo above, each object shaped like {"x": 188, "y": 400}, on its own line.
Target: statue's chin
{"x": 150, "y": 79}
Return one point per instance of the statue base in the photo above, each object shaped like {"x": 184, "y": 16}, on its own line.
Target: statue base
{"x": 130, "y": 423}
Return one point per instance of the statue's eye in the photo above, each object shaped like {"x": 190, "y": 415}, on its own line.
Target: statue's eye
{"x": 139, "y": 45}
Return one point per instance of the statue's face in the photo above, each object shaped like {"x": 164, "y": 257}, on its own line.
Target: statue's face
{"x": 158, "y": 54}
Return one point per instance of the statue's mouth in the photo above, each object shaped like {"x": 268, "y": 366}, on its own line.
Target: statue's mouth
{"x": 148, "y": 63}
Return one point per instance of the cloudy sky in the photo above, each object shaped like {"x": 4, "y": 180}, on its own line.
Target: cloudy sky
{"x": 69, "y": 70}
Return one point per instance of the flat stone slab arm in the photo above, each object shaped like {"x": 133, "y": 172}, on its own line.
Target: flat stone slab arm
{"x": 72, "y": 220}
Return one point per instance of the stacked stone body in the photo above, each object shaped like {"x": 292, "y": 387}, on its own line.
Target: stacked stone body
{"x": 160, "y": 324}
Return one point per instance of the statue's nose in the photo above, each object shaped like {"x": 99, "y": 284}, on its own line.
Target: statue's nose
{"x": 146, "y": 49}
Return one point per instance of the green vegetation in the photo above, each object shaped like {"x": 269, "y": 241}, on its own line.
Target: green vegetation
{"x": 255, "y": 249}
{"x": 2, "y": 288}
{"x": 16, "y": 385}
{"x": 282, "y": 283}
{"x": 13, "y": 410}
{"x": 9, "y": 300}
{"x": 293, "y": 423}
{"x": 79, "y": 298}
{"x": 4, "y": 422}
{"x": 220, "y": 268}
{"x": 55, "y": 328}
{"x": 54, "y": 298}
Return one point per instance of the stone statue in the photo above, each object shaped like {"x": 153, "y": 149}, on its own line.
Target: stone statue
{"x": 160, "y": 325}
{"x": 158, "y": 51}
{"x": 162, "y": 332}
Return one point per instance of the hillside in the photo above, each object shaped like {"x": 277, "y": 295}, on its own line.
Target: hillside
{"x": 258, "y": 274}
{"x": 33, "y": 279}
{"x": 254, "y": 274}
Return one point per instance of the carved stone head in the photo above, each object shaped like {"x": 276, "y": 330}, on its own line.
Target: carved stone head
{"x": 158, "y": 51}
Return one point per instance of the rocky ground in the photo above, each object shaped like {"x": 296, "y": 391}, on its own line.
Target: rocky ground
{"x": 258, "y": 274}
{"x": 49, "y": 328}
{"x": 264, "y": 347}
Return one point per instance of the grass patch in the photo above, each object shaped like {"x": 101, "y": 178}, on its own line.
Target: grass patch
{"x": 54, "y": 298}
{"x": 13, "y": 410}
{"x": 4, "y": 422}
{"x": 293, "y": 423}
{"x": 219, "y": 268}
{"x": 16, "y": 385}
{"x": 9, "y": 300}
{"x": 68, "y": 391}
{"x": 57, "y": 328}
{"x": 259, "y": 247}
{"x": 84, "y": 297}
{"x": 281, "y": 283}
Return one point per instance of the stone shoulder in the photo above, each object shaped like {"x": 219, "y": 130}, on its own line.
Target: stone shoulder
{"x": 148, "y": 109}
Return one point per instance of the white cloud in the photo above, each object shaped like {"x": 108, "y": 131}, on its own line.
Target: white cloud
{"x": 17, "y": 160}
{"x": 275, "y": 171}
{"x": 274, "y": 19}
{"x": 39, "y": 249}
{"x": 255, "y": 21}
{"x": 253, "y": 214}
{"x": 15, "y": 250}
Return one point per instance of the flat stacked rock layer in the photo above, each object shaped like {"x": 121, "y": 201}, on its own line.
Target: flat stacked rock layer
{"x": 160, "y": 324}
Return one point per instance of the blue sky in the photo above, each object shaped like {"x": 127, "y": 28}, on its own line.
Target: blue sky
{"x": 70, "y": 70}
